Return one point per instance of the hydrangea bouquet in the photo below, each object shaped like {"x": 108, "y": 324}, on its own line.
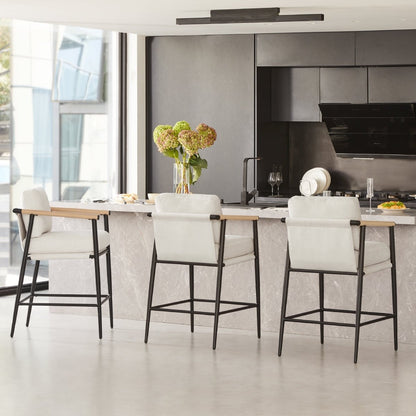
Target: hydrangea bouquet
{"x": 183, "y": 144}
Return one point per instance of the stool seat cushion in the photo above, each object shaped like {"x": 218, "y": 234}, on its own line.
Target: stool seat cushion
{"x": 66, "y": 244}
{"x": 237, "y": 246}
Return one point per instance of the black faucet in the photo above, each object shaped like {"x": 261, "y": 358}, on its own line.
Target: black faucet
{"x": 247, "y": 196}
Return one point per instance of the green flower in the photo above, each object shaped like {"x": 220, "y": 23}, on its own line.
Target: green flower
{"x": 190, "y": 141}
{"x": 207, "y": 135}
{"x": 180, "y": 126}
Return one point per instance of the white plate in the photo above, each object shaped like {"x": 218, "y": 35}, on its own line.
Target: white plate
{"x": 308, "y": 187}
{"x": 393, "y": 211}
{"x": 319, "y": 176}
{"x": 328, "y": 178}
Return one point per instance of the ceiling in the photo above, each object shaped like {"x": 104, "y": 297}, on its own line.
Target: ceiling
{"x": 157, "y": 17}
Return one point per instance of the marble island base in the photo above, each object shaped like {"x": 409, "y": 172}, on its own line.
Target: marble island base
{"x": 131, "y": 233}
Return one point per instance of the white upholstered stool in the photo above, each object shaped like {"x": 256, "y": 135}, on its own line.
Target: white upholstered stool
{"x": 39, "y": 242}
{"x": 326, "y": 236}
{"x": 190, "y": 230}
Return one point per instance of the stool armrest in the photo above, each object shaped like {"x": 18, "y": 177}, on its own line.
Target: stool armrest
{"x": 365, "y": 223}
{"x": 227, "y": 217}
{"x": 377, "y": 223}
{"x": 82, "y": 210}
{"x": 239, "y": 217}
{"x": 86, "y": 216}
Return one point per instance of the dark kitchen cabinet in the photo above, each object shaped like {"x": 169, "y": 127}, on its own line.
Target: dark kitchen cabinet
{"x": 207, "y": 79}
{"x": 343, "y": 85}
{"x": 305, "y": 49}
{"x": 394, "y": 47}
{"x": 392, "y": 84}
{"x": 295, "y": 94}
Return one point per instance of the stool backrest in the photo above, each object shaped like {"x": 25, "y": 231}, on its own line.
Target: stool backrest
{"x": 37, "y": 199}
{"x": 320, "y": 235}
{"x": 183, "y": 229}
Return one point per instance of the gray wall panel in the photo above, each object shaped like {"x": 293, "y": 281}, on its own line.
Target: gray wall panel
{"x": 392, "y": 84}
{"x": 306, "y": 49}
{"x": 205, "y": 79}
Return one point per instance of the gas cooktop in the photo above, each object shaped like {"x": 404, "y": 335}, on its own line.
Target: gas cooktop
{"x": 408, "y": 198}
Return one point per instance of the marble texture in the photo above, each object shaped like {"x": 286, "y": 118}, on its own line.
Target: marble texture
{"x": 131, "y": 233}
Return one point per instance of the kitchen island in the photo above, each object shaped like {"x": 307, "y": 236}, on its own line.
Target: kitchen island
{"x": 131, "y": 232}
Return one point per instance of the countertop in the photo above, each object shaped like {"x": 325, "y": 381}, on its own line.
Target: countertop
{"x": 407, "y": 217}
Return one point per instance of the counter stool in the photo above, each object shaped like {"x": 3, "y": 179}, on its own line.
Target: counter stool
{"x": 326, "y": 236}
{"x": 190, "y": 229}
{"x": 40, "y": 243}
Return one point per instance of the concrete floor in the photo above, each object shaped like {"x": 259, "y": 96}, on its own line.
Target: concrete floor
{"x": 59, "y": 367}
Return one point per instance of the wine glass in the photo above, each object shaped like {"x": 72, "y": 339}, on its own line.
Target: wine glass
{"x": 272, "y": 180}
{"x": 279, "y": 181}
{"x": 370, "y": 192}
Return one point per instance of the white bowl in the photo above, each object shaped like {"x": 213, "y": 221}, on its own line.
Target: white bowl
{"x": 151, "y": 197}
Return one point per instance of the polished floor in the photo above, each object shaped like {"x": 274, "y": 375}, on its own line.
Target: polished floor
{"x": 59, "y": 367}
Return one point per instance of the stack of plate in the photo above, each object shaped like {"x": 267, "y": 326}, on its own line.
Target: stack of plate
{"x": 315, "y": 181}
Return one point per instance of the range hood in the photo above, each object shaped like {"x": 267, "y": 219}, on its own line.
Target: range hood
{"x": 371, "y": 130}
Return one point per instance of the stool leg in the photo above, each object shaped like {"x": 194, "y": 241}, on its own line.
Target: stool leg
{"x": 394, "y": 295}
{"x": 393, "y": 286}
{"x": 321, "y": 305}
{"x": 191, "y": 293}
{"x": 18, "y": 294}
{"x": 257, "y": 277}
{"x": 150, "y": 293}
{"x": 97, "y": 277}
{"x": 284, "y": 303}
{"x": 360, "y": 276}
{"x": 32, "y": 292}
{"x": 219, "y": 282}
{"x": 109, "y": 280}
{"x": 358, "y": 315}
{"x": 217, "y": 305}
{"x": 22, "y": 273}
{"x": 109, "y": 286}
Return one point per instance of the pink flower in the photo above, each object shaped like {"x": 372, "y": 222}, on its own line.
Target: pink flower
{"x": 207, "y": 135}
{"x": 165, "y": 140}
{"x": 190, "y": 141}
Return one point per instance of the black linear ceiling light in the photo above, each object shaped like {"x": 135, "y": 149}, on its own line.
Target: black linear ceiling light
{"x": 262, "y": 15}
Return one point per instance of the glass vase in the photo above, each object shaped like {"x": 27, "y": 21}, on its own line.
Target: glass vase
{"x": 181, "y": 178}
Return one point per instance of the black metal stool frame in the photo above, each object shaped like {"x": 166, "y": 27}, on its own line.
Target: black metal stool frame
{"x": 100, "y": 298}
{"x": 240, "y": 306}
{"x": 381, "y": 316}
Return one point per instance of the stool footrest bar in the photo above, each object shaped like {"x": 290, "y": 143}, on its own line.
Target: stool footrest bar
{"x": 165, "y": 307}
{"x": 88, "y": 305}
{"x": 295, "y": 318}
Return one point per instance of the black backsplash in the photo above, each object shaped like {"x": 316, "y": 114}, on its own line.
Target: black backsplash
{"x": 299, "y": 146}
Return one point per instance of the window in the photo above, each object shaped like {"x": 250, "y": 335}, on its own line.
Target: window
{"x": 62, "y": 84}
{"x": 79, "y": 65}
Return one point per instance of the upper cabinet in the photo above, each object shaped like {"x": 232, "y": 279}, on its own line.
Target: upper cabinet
{"x": 395, "y": 47}
{"x": 343, "y": 85}
{"x": 306, "y": 49}
{"x": 295, "y": 94}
